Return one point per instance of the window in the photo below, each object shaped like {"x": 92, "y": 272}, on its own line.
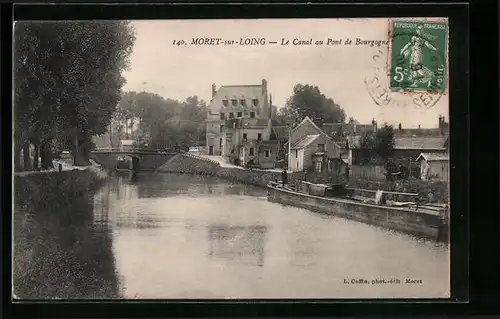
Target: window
{"x": 243, "y": 102}
{"x": 231, "y": 115}
{"x": 244, "y": 136}
{"x": 220, "y": 142}
{"x": 239, "y": 114}
{"x": 297, "y": 153}
{"x": 252, "y": 115}
{"x": 251, "y": 151}
{"x": 255, "y": 102}
{"x": 225, "y": 102}
{"x": 222, "y": 116}
{"x": 234, "y": 102}
{"x": 267, "y": 153}
{"x": 321, "y": 147}
{"x": 259, "y": 137}
{"x": 221, "y": 128}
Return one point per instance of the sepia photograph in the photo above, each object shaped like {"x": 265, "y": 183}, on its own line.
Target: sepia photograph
{"x": 231, "y": 159}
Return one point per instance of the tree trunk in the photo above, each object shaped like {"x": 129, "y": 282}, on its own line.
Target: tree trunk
{"x": 80, "y": 155}
{"x": 111, "y": 135}
{"x": 17, "y": 158}
{"x": 36, "y": 155}
{"x": 26, "y": 156}
{"x": 46, "y": 154}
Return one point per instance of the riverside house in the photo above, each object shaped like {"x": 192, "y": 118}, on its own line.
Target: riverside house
{"x": 231, "y": 102}
{"x": 250, "y": 141}
{"x": 312, "y": 149}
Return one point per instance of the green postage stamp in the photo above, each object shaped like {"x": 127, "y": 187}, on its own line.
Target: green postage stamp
{"x": 418, "y": 57}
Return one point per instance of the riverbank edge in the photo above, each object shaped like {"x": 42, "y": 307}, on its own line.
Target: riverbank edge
{"x": 194, "y": 165}
{"x": 33, "y": 191}
{"x": 415, "y": 223}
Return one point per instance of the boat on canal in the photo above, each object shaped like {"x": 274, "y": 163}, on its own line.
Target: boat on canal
{"x": 404, "y": 212}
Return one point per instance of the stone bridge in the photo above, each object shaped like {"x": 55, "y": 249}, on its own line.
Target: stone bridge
{"x": 138, "y": 159}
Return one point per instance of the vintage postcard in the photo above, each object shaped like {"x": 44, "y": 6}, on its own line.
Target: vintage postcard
{"x": 231, "y": 159}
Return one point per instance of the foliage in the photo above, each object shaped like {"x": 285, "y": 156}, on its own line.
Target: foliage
{"x": 368, "y": 147}
{"x": 385, "y": 141}
{"x": 68, "y": 80}
{"x": 307, "y": 100}
{"x": 161, "y": 123}
{"x": 380, "y": 144}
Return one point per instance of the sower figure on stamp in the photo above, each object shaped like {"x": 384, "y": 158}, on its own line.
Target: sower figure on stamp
{"x": 414, "y": 49}
{"x": 284, "y": 177}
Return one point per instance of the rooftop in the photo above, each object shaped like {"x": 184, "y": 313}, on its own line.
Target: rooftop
{"x": 433, "y": 156}
{"x": 419, "y": 143}
{"x": 305, "y": 141}
{"x": 229, "y": 92}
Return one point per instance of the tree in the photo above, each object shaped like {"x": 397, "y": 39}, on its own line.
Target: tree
{"x": 68, "y": 82}
{"x": 307, "y": 100}
{"x": 163, "y": 122}
{"x": 385, "y": 141}
{"x": 368, "y": 145}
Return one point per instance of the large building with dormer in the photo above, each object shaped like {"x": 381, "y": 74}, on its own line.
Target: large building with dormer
{"x": 234, "y": 102}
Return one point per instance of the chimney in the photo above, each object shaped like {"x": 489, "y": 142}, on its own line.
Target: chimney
{"x": 374, "y": 123}
{"x": 441, "y": 125}
{"x": 214, "y": 90}
{"x": 266, "y": 106}
{"x": 419, "y": 126}
{"x": 400, "y": 127}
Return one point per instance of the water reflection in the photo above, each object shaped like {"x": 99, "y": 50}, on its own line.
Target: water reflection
{"x": 177, "y": 236}
{"x": 157, "y": 185}
{"x": 244, "y": 244}
{"x": 60, "y": 253}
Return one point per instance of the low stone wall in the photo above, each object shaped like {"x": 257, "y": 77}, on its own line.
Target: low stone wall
{"x": 191, "y": 164}
{"x": 404, "y": 220}
{"x": 438, "y": 189}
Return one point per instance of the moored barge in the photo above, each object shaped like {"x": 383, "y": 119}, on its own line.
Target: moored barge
{"x": 412, "y": 217}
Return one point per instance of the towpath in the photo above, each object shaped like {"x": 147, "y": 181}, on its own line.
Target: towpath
{"x": 224, "y": 163}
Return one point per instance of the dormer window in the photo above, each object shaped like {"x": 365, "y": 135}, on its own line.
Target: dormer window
{"x": 243, "y": 102}
{"x": 255, "y": 102}
{"x": 225, "y": 102}
{"x": 234, "y": 102}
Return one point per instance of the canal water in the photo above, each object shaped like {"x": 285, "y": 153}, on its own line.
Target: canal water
{"x": 179, "y": 236}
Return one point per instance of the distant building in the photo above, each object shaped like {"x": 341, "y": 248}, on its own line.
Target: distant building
{"x": 250, "y": 141}
{"x": 434, "y": 165}
{"x": 441, "y": 130}
{"x": 234, "y": 102}
{"x": 339, "y": 131}
{"x": 411, "y": 147}
{"x": 126, "y": 145}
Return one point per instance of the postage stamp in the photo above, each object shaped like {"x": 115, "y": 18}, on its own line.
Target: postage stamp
{"x": 418, "y": 56}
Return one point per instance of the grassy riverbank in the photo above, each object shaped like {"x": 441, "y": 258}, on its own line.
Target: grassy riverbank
{"x": 49, "y": 208}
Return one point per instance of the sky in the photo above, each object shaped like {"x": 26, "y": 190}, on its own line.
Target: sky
{"x": 173, "y": 71}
